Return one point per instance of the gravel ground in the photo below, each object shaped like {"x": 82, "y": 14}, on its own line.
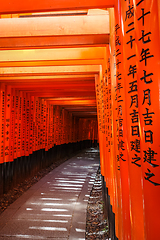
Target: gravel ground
{"x": 96, "y": 225}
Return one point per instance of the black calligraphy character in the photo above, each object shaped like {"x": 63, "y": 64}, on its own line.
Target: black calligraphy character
{"x": 147, "y": 117}
{"x": 145, "y": 54}
{"x": 132, "y": 70}
{"x": 145, "y": 76}
{"x": 118, "y": 52}
{"x": 139, "y": 2}
{"x": 135, "y": 116}
{"x": 147, "y": 96}
{"x": 116, "y": 28}
{"x": 148, "y": 136}
{"x": 136, "y": 159}
{"x": 117, "y": 41}
{"x": 149, "y": 157}
{"x": 121, "y": 157}
{"x": 120, "y": 132}
{"x": 119, "y": 76}
{"x": 134, "y": 100}
{"x": 118, "y": 167}
{"x": 132, "y": 27}
{"x": 133, "y": 86}
{"x": 117, "y": 63}
{"x": 121, "y": 145}
{"x": 134, "y": 55}
{"x": 120, "y": 122}
{"x": 129, "y": 12}
{"x": 143, "y": 37}
{"x": 135, "y": 145}
{"x": 131, "y": 41}
{"x": 135, "y": 130}
{"x": 119, "y": 110}
{"x": 150, "y": 175}
{"x": 143, "y": 15}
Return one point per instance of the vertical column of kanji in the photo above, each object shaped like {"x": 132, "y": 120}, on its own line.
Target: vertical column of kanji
{"x": 148, "y": 58}
{"x": 7, "y": 123}
{"x": 53, "y": 114}
{"x": 107, "y": 135}
{"x": 111, "y": 158}
{"x": 63, "y": 126}
{"x": 122, "y": 157}
{"x": 60, "y": 125}
{"x": 16, "y": 125}
{"x": 132, "y": 116}
{"x": 49, "y": 125}
{"x": 12, "y": 122}
{"x": 66, "y": 121}
{"x": 23, "y": 122}
{"x": 39, "y": 124}
{"x": 2, "y": 120}
{"x": 112, "y": 131}
{"x": 44, "y": 124}
{"x": 101, "y": 82}
{"x": 27, "y": 124}
{"x": 41, "y": 108}
{"x": 46, "y": 134}
{"x": 55, "y": 124}
{"x": 98, "y": 100}
{"x": 19, "y": 124}
{"x": 36, "y": 123}
{"x": 117, "y": 130}
{"x": 31, "y": 128}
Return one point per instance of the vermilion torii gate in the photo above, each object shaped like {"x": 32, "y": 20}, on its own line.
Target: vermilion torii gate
{"x": 70, "y": 62}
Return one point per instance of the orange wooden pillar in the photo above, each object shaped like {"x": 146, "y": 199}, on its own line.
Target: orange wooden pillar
{"x": 99, "y": 116}
{"x": 115, "y": 130}
{"x": 2, "y": 125}
{"x": 23, "y": 124}
{"x": 127, "y": 80}
{"x": 31, "y": 129}
{"x": 27, "y": 124}
{"x": 148, "y": 77}
{"x": 7, "y": 123}
{"x": 12, "y": 122}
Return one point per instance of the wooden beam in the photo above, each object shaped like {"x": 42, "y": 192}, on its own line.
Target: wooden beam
{"x": 52, "y": 54}
{"x": 19, "y": 6}
{"x": 46, "y": 79}
{"x": 42, "y": 63}
{"x": 52, "y": 70}
{"x": 55, "y": 26}
{"x": 54, "y": 41}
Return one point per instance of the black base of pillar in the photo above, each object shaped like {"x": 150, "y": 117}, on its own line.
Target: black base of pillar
{"x": 13, "y": 173}
{"x": 108, "y": 213}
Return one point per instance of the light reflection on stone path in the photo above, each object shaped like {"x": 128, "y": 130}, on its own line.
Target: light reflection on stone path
{"x": 55, "y": 207}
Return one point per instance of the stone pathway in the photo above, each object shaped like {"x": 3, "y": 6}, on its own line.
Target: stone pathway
{"x": 55, "y": 207}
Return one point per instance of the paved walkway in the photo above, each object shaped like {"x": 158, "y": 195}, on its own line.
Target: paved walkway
{"x": 55, "y": 207}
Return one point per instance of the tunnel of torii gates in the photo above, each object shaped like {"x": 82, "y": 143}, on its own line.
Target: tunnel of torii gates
{"x": 72, "y": 72}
